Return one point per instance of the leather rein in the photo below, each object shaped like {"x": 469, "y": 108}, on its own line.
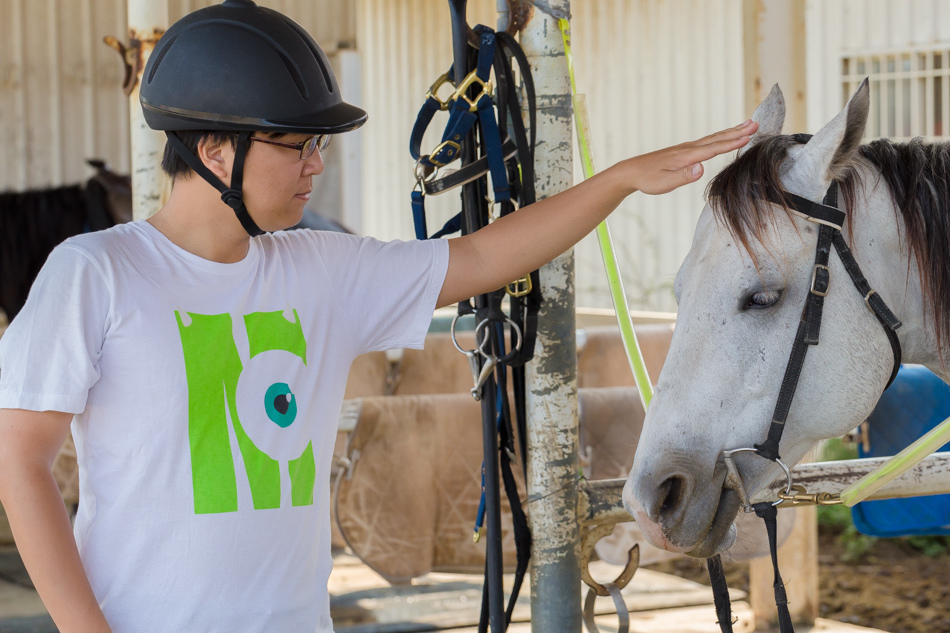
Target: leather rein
{"x": 830, "y": 219}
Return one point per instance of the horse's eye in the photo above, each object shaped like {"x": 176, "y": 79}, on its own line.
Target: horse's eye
{"x": 762, "y": 299}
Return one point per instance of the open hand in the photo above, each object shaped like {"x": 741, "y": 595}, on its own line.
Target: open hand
{"x": 664, "y": 170}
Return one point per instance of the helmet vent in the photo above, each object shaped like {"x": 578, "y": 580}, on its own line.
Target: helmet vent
{"x": 161, "y": 55}
{"x": 317, "y": 55}
{"x": 294, "y": 74}
{"x": 326, "y": 73}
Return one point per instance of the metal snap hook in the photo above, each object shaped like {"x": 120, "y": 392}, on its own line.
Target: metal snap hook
{"x": 482, "y": 371}
{"x": 487, "y": 368}
{"x": 423, "y": 171}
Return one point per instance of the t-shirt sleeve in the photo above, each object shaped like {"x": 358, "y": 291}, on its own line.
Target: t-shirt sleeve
{"x": 391, "y": 290}
{"x": 50, "y": 353}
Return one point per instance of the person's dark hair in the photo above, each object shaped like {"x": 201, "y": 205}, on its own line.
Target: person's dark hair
{"x": 174, "y": 165}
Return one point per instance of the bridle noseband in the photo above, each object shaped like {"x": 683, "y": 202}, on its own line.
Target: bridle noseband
{"x": 830, "y": 219}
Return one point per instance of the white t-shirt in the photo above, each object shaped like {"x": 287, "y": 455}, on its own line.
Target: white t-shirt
{"x": 206, "y": 398}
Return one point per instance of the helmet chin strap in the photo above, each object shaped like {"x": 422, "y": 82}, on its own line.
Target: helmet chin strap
{"x": 230, "y": 196}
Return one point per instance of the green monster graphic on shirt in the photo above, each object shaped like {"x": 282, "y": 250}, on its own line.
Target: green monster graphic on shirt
{"x": 260, "y": 407}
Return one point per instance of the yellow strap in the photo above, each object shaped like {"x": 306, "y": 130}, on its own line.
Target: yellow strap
{"x": 627, "y": 334}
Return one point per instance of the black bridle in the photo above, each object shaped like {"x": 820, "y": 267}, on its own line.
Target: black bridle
{"x": 830, "y": 219}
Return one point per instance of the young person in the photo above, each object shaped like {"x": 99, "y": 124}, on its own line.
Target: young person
{"x": 202, "y": 364}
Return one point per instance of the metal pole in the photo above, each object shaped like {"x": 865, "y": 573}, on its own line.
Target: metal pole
{"x": 501, "y": 7}
{"x": 148, "y": 20}
{"x": 552, "y": 436}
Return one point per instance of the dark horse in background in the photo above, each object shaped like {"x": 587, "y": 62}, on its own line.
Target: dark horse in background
{"x": 32, "y": 223}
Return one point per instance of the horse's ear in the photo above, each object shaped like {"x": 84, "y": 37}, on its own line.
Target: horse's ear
{"x": 770, "y": 115}
{"x": 832, "y": 149}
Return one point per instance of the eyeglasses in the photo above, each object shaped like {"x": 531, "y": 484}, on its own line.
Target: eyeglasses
{"x": 306, "y": 148}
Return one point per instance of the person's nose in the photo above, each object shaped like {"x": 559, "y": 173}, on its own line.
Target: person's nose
{"x": 313, "y": 166}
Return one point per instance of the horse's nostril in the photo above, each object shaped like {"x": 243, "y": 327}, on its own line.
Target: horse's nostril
{"x": 671, "y": 494}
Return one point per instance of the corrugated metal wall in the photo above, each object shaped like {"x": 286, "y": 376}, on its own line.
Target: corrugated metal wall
{"x": 61, "y": 98}
{"x": 656, "y": 72}
{"x": 870, "y": 31}
{"x": 60, "y": 90}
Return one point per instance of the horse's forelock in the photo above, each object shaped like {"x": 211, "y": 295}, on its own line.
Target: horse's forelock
{"x": 740, "y": 195}
{"x": 917, "y": 174}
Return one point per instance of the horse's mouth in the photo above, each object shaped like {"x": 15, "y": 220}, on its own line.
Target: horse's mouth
{"x": 722, "y": 533}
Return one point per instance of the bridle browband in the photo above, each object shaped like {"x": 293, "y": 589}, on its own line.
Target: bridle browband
{"x": 829, "y": 219}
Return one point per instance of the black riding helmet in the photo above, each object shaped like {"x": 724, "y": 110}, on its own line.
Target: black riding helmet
{"x": 240, "y": 67}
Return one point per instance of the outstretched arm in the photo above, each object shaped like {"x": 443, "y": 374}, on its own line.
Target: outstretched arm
{"x": 520, "y": 242}
{"x": 29, "y": 441}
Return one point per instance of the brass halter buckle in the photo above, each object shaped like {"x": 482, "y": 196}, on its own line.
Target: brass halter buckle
{"x": 433, "y": 92}
{"x": 463, "y": 87}
{"x": 520, "y": 287}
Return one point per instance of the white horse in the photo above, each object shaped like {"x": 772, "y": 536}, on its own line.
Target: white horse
{"x": 741, "y": 291}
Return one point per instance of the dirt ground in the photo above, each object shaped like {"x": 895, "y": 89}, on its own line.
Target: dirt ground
{"x": 892, "y": 586}
{"x": 889, "y": 585}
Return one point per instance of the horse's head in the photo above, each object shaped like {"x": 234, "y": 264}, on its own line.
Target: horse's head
{"x": 741, "y": 291}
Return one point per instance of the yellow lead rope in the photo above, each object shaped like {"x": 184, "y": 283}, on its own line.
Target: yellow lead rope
{"x": 897, "y": 465}
{"x": 629, "y": 337}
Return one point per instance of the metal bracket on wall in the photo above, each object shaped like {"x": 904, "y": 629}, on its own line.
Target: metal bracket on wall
{"x": 131, "y": 54}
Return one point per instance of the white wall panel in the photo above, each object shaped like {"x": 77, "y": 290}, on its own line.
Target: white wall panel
{"x": 60, "y": 96}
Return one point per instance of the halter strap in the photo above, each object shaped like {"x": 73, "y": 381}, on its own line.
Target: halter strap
{"x": 873, "y": 300}
{"x": 830, "y": 220}
{"x": 809, "y": 327}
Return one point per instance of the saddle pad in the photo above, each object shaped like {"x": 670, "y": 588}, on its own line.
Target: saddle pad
{"x": 407, "y": 505}
{"x": 916, "y": 402}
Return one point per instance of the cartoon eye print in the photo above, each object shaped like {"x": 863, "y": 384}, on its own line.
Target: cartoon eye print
{"x": 280, "y": 404}
{"x": 268, "y": 407}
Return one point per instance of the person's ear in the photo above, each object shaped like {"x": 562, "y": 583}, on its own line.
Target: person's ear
{"x": 217, "y": 156}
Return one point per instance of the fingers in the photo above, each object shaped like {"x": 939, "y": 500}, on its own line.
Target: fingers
{"x": 710, "y": 150}
{"x": 747, "y": 128}
{"x": 716, "y": 144}
{"x": 667, "y": 169}
{"x": 693, "y": 172}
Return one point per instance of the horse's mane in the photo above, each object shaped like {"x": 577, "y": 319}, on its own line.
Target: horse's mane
{"x": 917, "y": 174}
